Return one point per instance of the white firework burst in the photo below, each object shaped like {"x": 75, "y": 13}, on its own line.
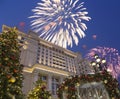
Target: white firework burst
{"x": 58, "y": 21}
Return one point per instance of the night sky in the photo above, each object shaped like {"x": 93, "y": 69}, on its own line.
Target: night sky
{"x": 104, "y": 24}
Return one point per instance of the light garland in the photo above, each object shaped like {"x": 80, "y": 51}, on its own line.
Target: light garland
{"x": 69, "y": 85}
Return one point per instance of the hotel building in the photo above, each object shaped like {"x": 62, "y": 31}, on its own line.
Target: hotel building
{"x": 51, "y": 62}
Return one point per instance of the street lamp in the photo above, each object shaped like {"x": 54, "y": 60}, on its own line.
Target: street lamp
{"x": 98, "y": 63}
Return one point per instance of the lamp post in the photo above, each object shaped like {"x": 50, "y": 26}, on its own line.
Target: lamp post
{"x": 98, "y": 63}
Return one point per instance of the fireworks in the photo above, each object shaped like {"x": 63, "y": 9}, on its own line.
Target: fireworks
{"x": 112, "y": 57}
{"x": 94, "y": 37}
{"x": 60, "y": 21}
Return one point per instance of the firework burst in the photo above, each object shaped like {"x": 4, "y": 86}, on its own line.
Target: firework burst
{"x": 112, "y": 57}
{"x": 58, "y": 21}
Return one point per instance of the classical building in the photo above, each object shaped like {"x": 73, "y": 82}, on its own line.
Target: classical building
{"x": 51, "y": 62}
{"x": 84, "y": 67}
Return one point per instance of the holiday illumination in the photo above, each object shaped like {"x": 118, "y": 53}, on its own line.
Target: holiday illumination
{"x": 99, "y": 85}
{"x": 11, "y": 71}
{"x": 111, "y": 56}
{"x": 60, "y": 21}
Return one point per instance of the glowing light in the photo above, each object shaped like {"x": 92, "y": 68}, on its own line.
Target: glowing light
{"x": 96, "y": 56}
{"x": 84, "y": 46}
{"x": 26, "y": 42}
{"x": 98, "y": 60}
{"x": 60, "y": 21}
{"x": 112, "y": 58}
{"x": 25, "y": 47}
{"x": 94, "y": 37}
{"x": 22, "y": 24}
{"x": 93, "y": 64}
{"x": 19, "y": 37}
{"x": 109, "y": 70}
{"x": 12, "y": 80}
{"x": 103, "y": 61}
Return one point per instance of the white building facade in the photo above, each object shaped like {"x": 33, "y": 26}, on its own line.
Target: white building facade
{"x": 51, "y": 62}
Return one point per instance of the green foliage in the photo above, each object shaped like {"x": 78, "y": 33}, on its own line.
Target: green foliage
{"x": 10, "y": 69}
{"x": 39, "y": 91}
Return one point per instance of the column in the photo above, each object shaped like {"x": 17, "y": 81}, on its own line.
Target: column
{"x": 50, "y": 82}
{"x": 61, "y": 79}
{"x": 28, "y": 82}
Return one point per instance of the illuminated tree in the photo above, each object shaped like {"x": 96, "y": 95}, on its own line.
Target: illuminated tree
{"x": 69, "y": 86}
{"x": 11, "y": 76}
{"x": 39, "y": 91}
{"x": 100, "y": 77}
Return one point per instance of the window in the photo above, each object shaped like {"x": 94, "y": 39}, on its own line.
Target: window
{"x": 44, "y": 78}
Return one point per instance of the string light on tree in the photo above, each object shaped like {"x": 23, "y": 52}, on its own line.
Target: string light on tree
{"x": 11, "y": 75}
{"x": 12, "y": 79}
